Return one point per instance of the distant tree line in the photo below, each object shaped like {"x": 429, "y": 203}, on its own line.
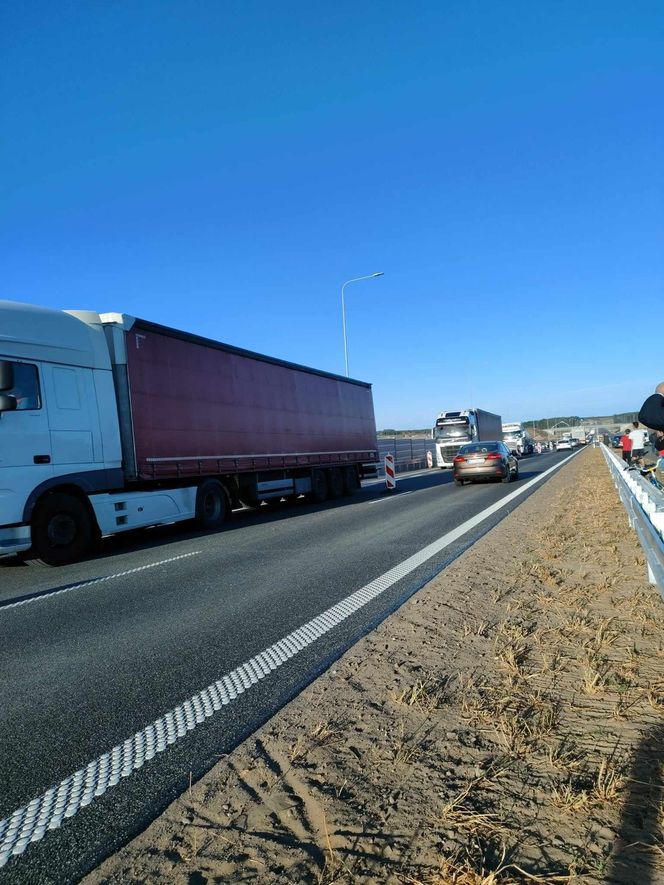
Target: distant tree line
{"x": 404, "y": 433}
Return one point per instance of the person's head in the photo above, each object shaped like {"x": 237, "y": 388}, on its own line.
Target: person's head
{"x": 660, "y": 388}
{"x": 626, "y": 430}
{"x": 635, "y": 425}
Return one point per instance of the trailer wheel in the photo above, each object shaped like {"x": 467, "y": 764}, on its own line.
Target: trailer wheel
{"x": 318, "y": 492}
{"x": 62, "y": 529}
{"x": 350, "y": 480}
{"x": 335, "y": 482}
{"x": 210, "y": 504}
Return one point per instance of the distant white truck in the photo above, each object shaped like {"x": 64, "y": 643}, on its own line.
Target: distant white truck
{"x": 517, "y": 439}
{"x": 454, "y": 429}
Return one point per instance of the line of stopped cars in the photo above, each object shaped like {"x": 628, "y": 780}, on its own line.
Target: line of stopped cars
{"x": 495, "y": 461}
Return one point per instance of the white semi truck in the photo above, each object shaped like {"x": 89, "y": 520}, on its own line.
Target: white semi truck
{"x": 454, "y": 429}
{"x": 517, "y": 439}
{"x": 109, "y": 423}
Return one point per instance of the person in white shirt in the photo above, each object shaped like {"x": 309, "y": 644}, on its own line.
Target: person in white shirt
{"x": 638, "y": 437}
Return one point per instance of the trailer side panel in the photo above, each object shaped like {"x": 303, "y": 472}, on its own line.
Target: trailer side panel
{"x": 201, "y": 408}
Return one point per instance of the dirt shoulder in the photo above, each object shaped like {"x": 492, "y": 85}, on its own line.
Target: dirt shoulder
{"x": 508, "y": 720}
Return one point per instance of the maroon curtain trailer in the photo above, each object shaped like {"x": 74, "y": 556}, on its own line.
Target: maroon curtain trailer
{"x": 197, "y": 407}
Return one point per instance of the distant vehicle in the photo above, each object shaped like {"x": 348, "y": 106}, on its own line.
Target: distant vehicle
{"x": 564, "y": 444}
{"x": 454, "y": 429}
{"x": 485, "y": 460}
{"x": 517, "y": 439}
{"x": 615, "y": 441}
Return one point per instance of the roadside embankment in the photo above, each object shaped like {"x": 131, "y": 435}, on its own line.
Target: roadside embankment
{"x": 506, "y": 725}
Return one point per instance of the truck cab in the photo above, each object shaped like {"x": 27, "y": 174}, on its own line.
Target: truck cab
{"x": 451, "y": 431}
{"x": 59, "y": 430}
{"x": 517, "y": 439}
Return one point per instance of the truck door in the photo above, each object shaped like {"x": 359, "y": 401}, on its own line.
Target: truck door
{"x": 25, "y": 443}
{"x": 72, "y": 417}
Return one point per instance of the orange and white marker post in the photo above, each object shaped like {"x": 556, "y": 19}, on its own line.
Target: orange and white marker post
{"x": 390, "y": 476}
{"x": 429, "y": 460}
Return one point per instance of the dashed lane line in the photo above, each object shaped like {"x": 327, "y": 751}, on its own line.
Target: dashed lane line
{"x": 49, "y": 594}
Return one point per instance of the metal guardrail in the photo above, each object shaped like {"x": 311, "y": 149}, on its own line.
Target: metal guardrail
{"x": 644, "y": 504}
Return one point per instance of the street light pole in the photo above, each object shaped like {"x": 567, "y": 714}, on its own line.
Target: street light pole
{"x": 343, "y": 309}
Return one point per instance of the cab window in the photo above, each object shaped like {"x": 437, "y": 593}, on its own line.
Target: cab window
{"x": 26, "y": 387}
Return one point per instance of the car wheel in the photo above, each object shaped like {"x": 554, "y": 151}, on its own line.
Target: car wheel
{"x": 508, "y": 475}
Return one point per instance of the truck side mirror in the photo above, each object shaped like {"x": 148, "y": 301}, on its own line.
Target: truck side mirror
{"x": 7, "y": 403}
{"x": 6, "y": 375}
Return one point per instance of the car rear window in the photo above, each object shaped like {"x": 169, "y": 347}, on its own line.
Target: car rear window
{"x": 478, "y": 448}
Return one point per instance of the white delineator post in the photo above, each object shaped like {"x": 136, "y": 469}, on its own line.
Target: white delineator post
{"x": 429, "y": 460}
{"x": 390, "y": 476}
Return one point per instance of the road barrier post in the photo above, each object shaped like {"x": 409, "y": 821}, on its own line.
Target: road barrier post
{"x": 390, "y": 476}
{"x": 429, "y": 460}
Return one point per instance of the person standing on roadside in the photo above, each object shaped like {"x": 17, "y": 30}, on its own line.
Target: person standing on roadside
{"x": 626, "y": 444}
{"x": 638, "y": 437}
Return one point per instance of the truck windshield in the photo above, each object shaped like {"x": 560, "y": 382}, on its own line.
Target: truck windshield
{"x": 26, "y": 387}
{"x": 452, "y": 429}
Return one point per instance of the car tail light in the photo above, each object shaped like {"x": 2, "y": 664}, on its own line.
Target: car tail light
{"x": 493, "y": 456}
{"x": 459, "y": 459}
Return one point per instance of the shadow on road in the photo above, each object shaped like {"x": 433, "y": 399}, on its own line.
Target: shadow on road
{"x": 638, "y": 854}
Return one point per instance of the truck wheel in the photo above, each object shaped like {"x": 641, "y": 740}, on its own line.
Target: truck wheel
{"x": 335, "y": 483}
{"x": 318, "y": 492}
{"x": 62, "y": 529}
{"x": 210, "y": 504}
{"x": 351, "y": 481}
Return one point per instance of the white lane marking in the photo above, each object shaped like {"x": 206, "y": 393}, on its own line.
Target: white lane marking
{"x": 63, "y": 800}
{"x": 399, "y": 496}
{"x": 132, "y": 571}
{"x": 403, "y": 474}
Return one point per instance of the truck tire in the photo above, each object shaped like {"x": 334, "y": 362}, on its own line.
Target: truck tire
{"x": 335, "y": 483}
{"x": 210, "y": 504}
{"x": 351, "y": 481}
{"x": 63, "y": 529}
{"x": 318, "y": 492}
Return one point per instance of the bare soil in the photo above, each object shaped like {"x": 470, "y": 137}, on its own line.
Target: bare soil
{"x": 506, "y": 725}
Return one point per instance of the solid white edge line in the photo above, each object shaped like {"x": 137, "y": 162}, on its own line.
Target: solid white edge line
{"x": 48, "y": 811}
{"x": 50, "y": 594}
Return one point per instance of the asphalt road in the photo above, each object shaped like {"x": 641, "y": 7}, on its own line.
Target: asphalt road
{"x": 84, "y": 669}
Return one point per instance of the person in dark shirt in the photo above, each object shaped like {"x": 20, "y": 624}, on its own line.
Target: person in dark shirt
{"x": 652, "y": 411}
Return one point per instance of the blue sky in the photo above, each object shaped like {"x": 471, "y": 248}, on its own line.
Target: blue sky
{"x": 224, "y": 167}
